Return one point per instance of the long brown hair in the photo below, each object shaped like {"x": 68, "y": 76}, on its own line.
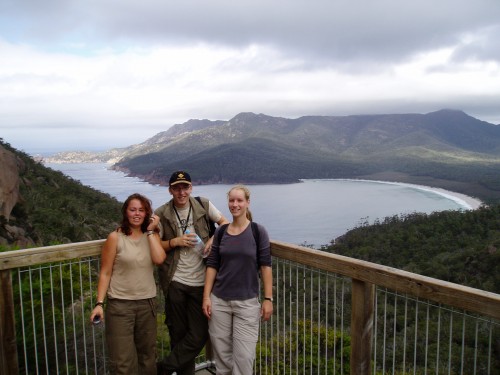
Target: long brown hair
{"x": 246, "y": 192}
{"x": 146, "y": 203}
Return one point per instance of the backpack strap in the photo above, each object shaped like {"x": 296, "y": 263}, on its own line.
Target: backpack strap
{"x": 210, "y": 223}
{"x": 255, "y": 232}
{"x": 201, "y": 202}
{"x": 222, "y": 230}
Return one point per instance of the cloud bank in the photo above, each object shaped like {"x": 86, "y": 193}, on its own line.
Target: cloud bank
{"x": 100, "y": 74}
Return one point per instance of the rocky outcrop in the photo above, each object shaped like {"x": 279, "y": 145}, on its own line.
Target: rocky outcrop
{"x": 15, "y": 236}
{"x": 9, "y": 181}
{"x": 10, "y": 233}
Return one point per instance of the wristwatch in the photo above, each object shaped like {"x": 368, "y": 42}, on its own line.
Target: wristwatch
{"x": 269, "y": 299}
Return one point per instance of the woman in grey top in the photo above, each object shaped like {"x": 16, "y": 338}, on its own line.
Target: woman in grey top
{"x": 231, "y": 293}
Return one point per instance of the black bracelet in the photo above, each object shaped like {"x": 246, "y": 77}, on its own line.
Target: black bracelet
{"x": 99, "y": 303}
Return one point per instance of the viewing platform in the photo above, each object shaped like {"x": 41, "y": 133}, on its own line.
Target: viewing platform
{"x": 332, "y": 315}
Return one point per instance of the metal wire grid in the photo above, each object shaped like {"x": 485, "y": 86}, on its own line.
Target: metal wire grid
{"x": 307, "y": 334}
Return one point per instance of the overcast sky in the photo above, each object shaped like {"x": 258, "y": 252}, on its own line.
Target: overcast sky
{"x": 97, "y": 74}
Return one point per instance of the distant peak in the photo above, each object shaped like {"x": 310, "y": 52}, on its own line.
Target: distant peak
{"x": 448, "y": 111}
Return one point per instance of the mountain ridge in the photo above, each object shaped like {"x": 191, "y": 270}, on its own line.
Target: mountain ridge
{"x": 443, "y": 145}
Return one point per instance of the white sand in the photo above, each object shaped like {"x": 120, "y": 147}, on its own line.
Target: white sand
{"x": 465, "y": 201}
{"x": 468, "y": 202}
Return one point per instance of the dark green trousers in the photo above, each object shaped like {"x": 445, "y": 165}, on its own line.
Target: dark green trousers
{"x": 187, "y": 326}
{"x": 131, "y": 336}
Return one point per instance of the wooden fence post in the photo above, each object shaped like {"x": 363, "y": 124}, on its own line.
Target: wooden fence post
{"x": 8, "y": 347}
{"x": 363, "y": 299}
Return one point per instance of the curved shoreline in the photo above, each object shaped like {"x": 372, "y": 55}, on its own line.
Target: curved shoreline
{"x": 469, "y": 203}
{"x": 466, "y": 201}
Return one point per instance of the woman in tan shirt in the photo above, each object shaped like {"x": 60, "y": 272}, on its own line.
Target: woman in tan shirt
{"x": 127, "y": 279}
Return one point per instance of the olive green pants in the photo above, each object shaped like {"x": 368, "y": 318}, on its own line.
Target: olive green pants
{"x": 131, "y": 336}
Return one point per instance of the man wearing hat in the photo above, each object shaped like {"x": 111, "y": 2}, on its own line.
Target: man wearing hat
{"x": 182, "y": 275}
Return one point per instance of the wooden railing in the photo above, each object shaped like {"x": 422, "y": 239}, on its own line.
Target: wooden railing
{"x": 366, "y": 278}
{"x": 11, "y": 260}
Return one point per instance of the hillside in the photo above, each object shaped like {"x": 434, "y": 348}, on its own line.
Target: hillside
{"x": 462, "y": 247}
{"x": 43, "y": 207}
{"x": 447, "y": 149}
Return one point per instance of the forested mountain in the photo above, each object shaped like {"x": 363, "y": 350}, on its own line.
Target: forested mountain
{"x": 42, "y": 207}
{"x": 462, "y": 247}
{"x": 446, "y": 149}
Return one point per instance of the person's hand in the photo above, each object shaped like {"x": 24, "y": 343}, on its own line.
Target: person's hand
{"x": 98, "y": 311}
{"x": 208, "y": 247}
{"x": 154, "y": 220}
{"x": 188, "y": 240}
{"x": 266, "y": 310}
{"x": 207, "y": 307}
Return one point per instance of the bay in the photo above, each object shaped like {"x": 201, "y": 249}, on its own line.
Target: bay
{"x": 310, "y": 213}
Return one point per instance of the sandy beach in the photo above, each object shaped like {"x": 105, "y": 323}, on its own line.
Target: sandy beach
{"x": 469, "y": 203}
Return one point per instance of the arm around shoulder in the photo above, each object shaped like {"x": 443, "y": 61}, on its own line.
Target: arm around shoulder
{"x": 222, "y": 220}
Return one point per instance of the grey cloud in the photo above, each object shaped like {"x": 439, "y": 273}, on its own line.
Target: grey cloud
{"x": 326, "y": 38}
{"x": 484, "y": 45}
{"x": 324, "y": 32}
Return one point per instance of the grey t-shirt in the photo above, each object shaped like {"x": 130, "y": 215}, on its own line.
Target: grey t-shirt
{"x": 235, "y": 259}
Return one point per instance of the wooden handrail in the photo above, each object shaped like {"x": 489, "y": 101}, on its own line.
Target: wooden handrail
{"x": 49, "y": 254}
{"x": 459, "y": 296}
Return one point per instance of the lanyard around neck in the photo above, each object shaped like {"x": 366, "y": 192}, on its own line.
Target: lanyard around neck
{"x": 183, "y": 227}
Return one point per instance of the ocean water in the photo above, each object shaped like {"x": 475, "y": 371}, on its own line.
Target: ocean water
{"x": 312, "y": 212}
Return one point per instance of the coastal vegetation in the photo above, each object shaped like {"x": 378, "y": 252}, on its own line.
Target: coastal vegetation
{"x": 54, "y": 208}
{"x": 462, "y": 247}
